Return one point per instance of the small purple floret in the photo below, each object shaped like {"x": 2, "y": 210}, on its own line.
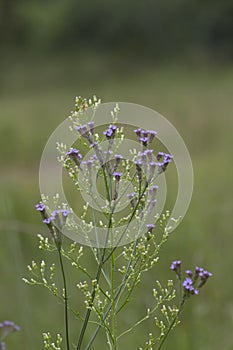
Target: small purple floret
{"x": 110, "y": 133}
{"x": 117, "y": 175}
{"x": 47, "y": 221}
{"x": 65, "y": 212}
{"x": 189, "y": 273}
{"x": 131, "y": 195}
{"x": 73, "y": 152}
{"x": 188, "y": 286}
{"x": 40, "y": 207}
{"x": 150, "y": 226}
{"x": 175, "y": 265}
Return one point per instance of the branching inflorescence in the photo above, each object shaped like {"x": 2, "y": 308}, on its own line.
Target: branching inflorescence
{"x": 120, "y": 260}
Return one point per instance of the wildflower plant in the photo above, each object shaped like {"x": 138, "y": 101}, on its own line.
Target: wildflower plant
{"x": 120, "y": 225}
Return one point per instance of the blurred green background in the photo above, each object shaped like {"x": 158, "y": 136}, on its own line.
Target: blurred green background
{"x": 172, "y": 56}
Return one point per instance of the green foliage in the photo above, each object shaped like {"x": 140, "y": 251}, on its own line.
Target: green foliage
{"x": 153, "y": 27}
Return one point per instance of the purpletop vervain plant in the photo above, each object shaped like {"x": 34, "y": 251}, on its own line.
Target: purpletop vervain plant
{"x": 108, "y": 290}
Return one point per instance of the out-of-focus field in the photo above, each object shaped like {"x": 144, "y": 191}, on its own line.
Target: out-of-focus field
{"x": 35, "y": 96}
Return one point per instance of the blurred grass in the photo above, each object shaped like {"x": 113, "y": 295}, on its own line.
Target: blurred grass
{"x": 35, "y": 96}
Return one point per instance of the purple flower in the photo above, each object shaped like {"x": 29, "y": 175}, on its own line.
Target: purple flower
{"x": 189, "y": 273}
{"x": 175, "y": 265}
{"x": 188, "y": 286}
{"x": 138, "y": 132}
{"x": 65, "y": 212}
{"x": 164, "y": 159}
{"x": 144, "y": 140}
{"x": 110, "y": 133}
{"x": 160, "y": 155}
{"x": 187, "y": 283}
{"x": 94, "y": 144}
{"x": 83, "y": 130}
{"x": 40, "y": 207}
{"x": 203, "y": 275}
{"x": 55, "y": 216}
{"x": 150, "y": 226}
{"x": 117, "y": 175}
{"x": 74, "y": 154}
{"x": 145, "y": 136}
{"x": 47, "y": 221}
{"x": 118, "y": 158}
{"x": 167, "y": 158}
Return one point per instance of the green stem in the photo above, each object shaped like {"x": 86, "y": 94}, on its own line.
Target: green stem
{"x": 65, "y": 299}
{"x": 130, "y": 219}
{"x": 88, "y": 313}
{"x": 117, "y": 295}
{"x": 98, "y": 274}
{"x": 113, "y": 301}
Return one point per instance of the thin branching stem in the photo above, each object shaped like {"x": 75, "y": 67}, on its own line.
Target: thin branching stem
{"x": 65, "y": 299}
{"x": 171, "y": 325}
{"x": 99, "y": 270}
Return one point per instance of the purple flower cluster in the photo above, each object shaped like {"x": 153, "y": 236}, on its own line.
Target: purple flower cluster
{"x": 117, "y": 175}
{"x": 41, "y": 207}
{"x": 57, "y": 215}
{"x": 188, "y": 286}
{"x": 203, "y": 276}
{"x": 194, "y": 281}
{"x": 75, "y": 155}
{"x": 110, "y": 132}
{"x": 145, "y": 136}
{"x": 7, "y": 327}
{"x": 145, "y": 164}
{"x": 87, "y": 131}
{"x": 176, "y": 266}
{"x": 55, "y": 222}
{"x": 164, "y": 159}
